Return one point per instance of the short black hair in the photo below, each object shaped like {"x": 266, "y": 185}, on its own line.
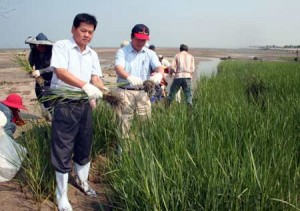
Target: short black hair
{"x": 84, "y": 18}
{"x": 183, "y": 47}
{"x": 152, "y": 47}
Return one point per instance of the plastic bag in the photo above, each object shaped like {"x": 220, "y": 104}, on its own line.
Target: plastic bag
{"x": 11, "y": 156}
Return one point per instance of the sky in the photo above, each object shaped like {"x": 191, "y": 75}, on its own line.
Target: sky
{"x": 197, "y": 23}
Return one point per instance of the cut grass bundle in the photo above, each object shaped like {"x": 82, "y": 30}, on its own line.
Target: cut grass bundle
{"x": 149, "y": 87}
{"x": 23, "y": 63}
{"x": 63, "y": 94}
{"x": 113, "y": 99}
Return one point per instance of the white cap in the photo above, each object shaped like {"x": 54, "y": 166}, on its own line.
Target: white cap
{"x": 124, "y": 43}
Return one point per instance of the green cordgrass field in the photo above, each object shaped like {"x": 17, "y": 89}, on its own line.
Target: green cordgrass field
{"x": 238, "y": 149}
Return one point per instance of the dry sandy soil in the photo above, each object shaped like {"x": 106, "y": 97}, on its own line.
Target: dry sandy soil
{"x": 15, "y": 80}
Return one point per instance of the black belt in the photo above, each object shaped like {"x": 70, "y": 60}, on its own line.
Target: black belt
{"x": 74, "y": 101}
{"x": 132, "y": 88}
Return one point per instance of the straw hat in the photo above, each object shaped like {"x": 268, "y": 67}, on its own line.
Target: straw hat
{"x": 3, "y": 119}
{"x": 14, "y": 101}
{"x": 40, "y": 39}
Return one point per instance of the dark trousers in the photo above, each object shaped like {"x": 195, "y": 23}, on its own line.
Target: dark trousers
{"x": 42, "y": 92}
{"x": 71, "y": 135}
{"x": 186, "y": 85}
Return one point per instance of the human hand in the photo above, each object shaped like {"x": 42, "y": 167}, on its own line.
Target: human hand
{"x": 92, "y": 91}
{"x": 105, "y": 89}
{"x": 36, "y": 73}
{"x": 20, "y": 122}
{"x": 93, "y": 103}
{"x": 134, "y": 81}
{"x": 156, "y": 78}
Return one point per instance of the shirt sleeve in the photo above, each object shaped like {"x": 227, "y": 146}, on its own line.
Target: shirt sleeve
{"x": 9, "y": 127}
{"x": 96, "y": 65}
{"x": 30, "y": 58}
{"x": 59, "y": 55}
{"x": 174, "y": 63}
{"x": 192, "y": 64}
{"x": 154, "y": 61}
{"x": 120, "y": 58}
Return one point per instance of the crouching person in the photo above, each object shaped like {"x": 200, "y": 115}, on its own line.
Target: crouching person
{"x": 11, "y": 108}
{"x": 77, "y": 67}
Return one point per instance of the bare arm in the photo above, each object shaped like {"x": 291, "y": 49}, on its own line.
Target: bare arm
{"x": 121, "y": 72}
{"x": 159, "y": 69}
{"x": 97, "y": 81}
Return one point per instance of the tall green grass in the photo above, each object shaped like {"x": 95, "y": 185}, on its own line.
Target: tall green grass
{"x": 237, "y": 150}
{"x": 37, "y": 175}
{"x": 232, "y": 152}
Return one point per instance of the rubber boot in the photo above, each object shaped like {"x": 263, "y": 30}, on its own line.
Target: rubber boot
{"x": 82, "y": 173}
{"x": 61, "y": 192}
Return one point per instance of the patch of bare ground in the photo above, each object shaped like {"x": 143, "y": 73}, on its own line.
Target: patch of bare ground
{"x": 14, "y": 196}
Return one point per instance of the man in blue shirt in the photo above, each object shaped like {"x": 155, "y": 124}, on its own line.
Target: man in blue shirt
{"x": 133, "y": 65}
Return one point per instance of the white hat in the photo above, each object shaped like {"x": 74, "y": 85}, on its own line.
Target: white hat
{"x": 124, "y": 43}
{"x": 3, "y": 119}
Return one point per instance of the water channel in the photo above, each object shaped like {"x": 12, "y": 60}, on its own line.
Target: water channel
{"x": 207, "y": 67}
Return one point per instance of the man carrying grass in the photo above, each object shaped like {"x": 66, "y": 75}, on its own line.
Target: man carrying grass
{"x": 133, "y": 66}
{"x": 76, "y": 65}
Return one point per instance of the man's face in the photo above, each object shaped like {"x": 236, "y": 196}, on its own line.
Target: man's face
{"x": 83, "y": 34}
{"x": 41, "y": 48}
{"x": 138, "y": 44}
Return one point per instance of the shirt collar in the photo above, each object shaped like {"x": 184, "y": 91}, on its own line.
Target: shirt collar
{"x": 74, "y": 45}
{"x": 130, "y": 49}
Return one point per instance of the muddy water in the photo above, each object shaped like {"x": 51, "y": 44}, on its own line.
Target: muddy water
{"x": 207, "y": 67}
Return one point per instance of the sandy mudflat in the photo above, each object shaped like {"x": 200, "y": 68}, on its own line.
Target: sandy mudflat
{"x": 14, "y": 80}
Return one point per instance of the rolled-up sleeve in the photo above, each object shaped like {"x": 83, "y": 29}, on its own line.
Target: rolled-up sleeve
{"x": 96, "y": 65}
{"x": 120, "y": 58}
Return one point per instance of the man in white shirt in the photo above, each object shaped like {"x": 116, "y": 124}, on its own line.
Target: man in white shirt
{"x": 77, "y": 68}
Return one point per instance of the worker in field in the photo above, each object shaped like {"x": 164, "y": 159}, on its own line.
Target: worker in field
{"x": 183, "y": 66}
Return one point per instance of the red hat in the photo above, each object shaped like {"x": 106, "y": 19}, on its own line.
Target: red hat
{"x": 14, "y": 101}
{"x": 140, "y": 31}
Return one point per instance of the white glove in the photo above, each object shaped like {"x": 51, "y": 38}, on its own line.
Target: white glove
{"x": 156, "y": 78}
{"x": 92, "y": 91}
{"x": 134, "y": 81}
{"x": 36, "y": 73}
{"x": 3, "y": 119}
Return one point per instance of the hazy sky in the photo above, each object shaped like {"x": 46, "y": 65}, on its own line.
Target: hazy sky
{"x": 197, "y": 23}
